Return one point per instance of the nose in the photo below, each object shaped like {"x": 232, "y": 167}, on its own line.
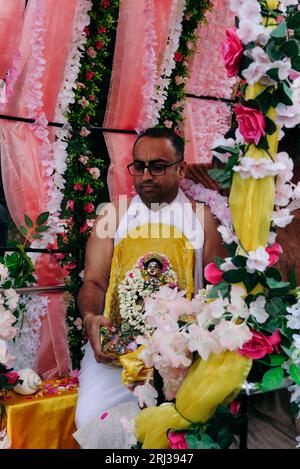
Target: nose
{"x": 147, "y": 176}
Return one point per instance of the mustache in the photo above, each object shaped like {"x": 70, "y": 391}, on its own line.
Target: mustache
{"x": 147, "y": 184}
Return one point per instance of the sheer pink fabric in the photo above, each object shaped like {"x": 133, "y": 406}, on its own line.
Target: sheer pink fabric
{"x": 125, "y": 98}
{"x": 23, "y": 179}
{"x": 206, "y": 120}
{"x": 11, "y": 19}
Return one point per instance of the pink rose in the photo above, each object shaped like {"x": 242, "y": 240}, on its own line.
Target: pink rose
{"x": 251, "y": 123}
{"x": 83, "y": 159}
{"x": 260, "y": 345}
{"x": 232, "y": 51}
{"x": 91, "y": 52}
{"x": 89, "y": 190}
{"x": 213, "y": 274}
{"x": 70, "y": 204}
{"x": 99, "y": 44}
{"x": 92, "y": 98}
{"x": 178, "y": 57}
{"x": 77, "y": 187}
{"x": 105, "y": 4}
{"x": 12, "y": 377}
{"x": 87, "y": 118}
{"x": 89, "y": 75}
{"x": 235, "y": 407}
{"x": 89, "y": 208}
{"x": 177, "y": 440}
{"x": 293, "y": 75}
{"x": 274, "y": 252}
{"x": 94, "y": 172}
{"x": 71, "y": 266}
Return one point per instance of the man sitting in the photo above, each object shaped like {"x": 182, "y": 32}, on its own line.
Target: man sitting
{"x": 159, "y": 219}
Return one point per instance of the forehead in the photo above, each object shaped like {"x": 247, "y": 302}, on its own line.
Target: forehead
{"x": 150, "y": 148}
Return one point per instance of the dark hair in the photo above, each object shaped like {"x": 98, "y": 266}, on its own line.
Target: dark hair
{"x": 153, "y": 259}
{"x": 163, "y": 132}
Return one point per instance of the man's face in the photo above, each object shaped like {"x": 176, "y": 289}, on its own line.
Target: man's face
{"x": 157, "y": 189}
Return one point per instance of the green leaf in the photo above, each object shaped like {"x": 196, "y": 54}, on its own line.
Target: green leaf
{"x": 273, "y": 273}
{"x": 293, "y": 20}
{"x": 264, "y": 100}
{"x": 24, "y": 230}
{"x": 290, "y": 48}
{"x": 275, "y": 307}
{"x": 239, "y": 261}
{"x": 223, "y": 149}
{"x": 37, "y": 236}
{"x": 270, "y": 126}
{"x": 276, "y": 360}
{"x": 250, "y": 281}
{"x": 272, "y": 284}
{"x": 272, "y": 379}
{"x": 206, "y": 442}
{"x": 42, "y": 218}
{"x": 263, "y": 143}
{"x": 216, "y": 174}
{"x": 294, "y": 372}
{"x": 280, "y": 31}
{"x": 251, "y": 103}
{"x": 222, "y": 288}
{"x": 234, "y": 276}
{"x": 292, "y": 278}
{"x": 218, "y": 261}
{"x": 41, "y": 229}
{"x": 274, "y": 74}
{"x": 296, "y": 64}
{"x": 28, "y": 221}
{"x": 273, "y": 50}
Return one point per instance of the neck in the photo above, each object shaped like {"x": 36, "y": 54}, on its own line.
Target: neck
{"x": 155, "y": 206}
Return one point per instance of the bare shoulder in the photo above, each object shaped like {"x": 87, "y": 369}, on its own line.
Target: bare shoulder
{"x": 109, "y": 216}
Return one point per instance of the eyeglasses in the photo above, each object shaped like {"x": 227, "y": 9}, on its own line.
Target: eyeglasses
{"x": 137, "y": 168}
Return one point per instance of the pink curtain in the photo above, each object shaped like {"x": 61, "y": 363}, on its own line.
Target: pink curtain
{"x": 125, "y": 99}
{"x": 205, "y": 119}
{"x": 11, "y": 19}
{"x": 44, "y": 43}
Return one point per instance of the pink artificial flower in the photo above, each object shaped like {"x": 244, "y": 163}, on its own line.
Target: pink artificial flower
{"x": 177, "y": 440}
{"x": 235, "y": 407}
{"x": 75, "y": 373}
{"x": 101, "y": 30}
{"x": 178, "y": 57}
{"x": 99, "y": 44}
{"x": 70, "y": 221}
{"x": 279, "y": 19}
{"x": 83, "y": 159}
{"x": 91, "y": 52}
{"x": 179, "y": 80}
{"x": 90, "y": 75}
{"x": 12, "y": 377}
{"x": 84, "y": 132}
{"x": 168, "y": 124}
{"x": 213, "y": 274}
{"x": 274, "y": 252}
{"x": 77, "y": 187}
{"x": 94, "y": 172}
{"x": 105, "y": 4}
{"x": 89, "y": 208}
{"x": 84, "y": 228}
{"x": 89, "y": 190}
{"x": 293, "y": 75}
{"x": 87, "y": 118}
{"x": 260, "y": 345}
{"x": 92, "y": 98}
{"x": 71, "y": 266}
{"x": 70, "y": 204}
{"x": 232, "y": 52}
{"x": 251, "y": 123}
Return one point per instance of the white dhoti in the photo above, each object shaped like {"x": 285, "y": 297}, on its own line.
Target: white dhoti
{"x": 100, "y": 388}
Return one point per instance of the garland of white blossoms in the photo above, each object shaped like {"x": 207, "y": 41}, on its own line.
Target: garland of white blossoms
{"x": 134, "y": 289}
{"x": 8, "y": 304}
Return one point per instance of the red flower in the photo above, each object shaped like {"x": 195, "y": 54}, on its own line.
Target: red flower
{"x": 70, "y": 204}
{"x": 105, "y": 4}
{"x": 274, "y": 252}
{"x": 87, "y": 118}
{"x": 260, "y": 345}
{"x": 213, "y": 274}
{"x": 12, "y": 377}
{"x": 77, "y": 187}
{"x": 232, "y": 52}
{"x": 99, "y": 44}
{"x": 71, "y": 266}
{"x": 251, "y": 123}
{"x": 87, "y": 31}
{"x": 89, "y": 208}
{"x": 177, "y": 440}
{"x": 89, "y": 190}
{"x": 101, "y": 30}
{"x": 90, "y": 75}
{"x": 235, "y": 407}
{"x": 84, "y": 228}
{"x": 91, "y": 98}
{"x": 178, "y": 57}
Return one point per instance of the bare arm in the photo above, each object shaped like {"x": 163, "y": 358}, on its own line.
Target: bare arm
{"x": 91, "y": 297}
{"x": 213, "y": 245}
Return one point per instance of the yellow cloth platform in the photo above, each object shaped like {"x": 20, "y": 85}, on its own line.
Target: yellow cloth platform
{"x": 44, "y": 420}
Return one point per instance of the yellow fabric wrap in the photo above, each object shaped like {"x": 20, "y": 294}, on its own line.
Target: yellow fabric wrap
{"x": 41, "y": 422}
{"x": 251, "y": 200}
{"x": 133, "y": 367}
{"x": 207, "y": 384}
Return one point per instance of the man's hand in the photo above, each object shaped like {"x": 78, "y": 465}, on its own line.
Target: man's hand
{"x": 92, "y": 324}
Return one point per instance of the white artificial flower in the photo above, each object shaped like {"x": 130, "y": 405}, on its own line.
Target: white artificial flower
{"x": 285, "y": 166}
{"x": 257, "y": 260}
{"x": 12, "y": 298}
{"x": 250, "y": 32}
{"x": 283, "y": 193}
{"x": 232, "y": 336}
{"x": 250, "y": 11}
{"x": 258, "y": 169}
{"x": 287, "y": 116}
{"x": 3, "y": 272}
{"x": 129, "y": 428}
{"x": 293, "y": 318}
{"x": 202, "y": 341}
{"x": 217, "y": 308}
{"x": 225, "y": 142}
{"x": 146, "y": 394}
{"x": 227, "y": 265}
{"x": 283, "y": 4}
{"x": 237, "y": 306}
{"x": 257, "y": 309}
{"x": 296, "y": 338}
{"x": 258, "y": 68}
{"x": 235, "y": 5}
{"x": 272, "y": 237}
{"x": 282, "y": 217}
{"x": 227, "y": 234}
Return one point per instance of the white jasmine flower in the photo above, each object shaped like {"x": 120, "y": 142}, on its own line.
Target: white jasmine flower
{"x": 257, "y": 260}
{"x": 257, "y": 309}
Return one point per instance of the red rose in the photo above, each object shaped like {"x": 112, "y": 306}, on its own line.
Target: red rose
{"x": 213, "y": 274}
{"x": 99, "y": 44}
{"x": 251, "y": 123}
{"x": 92, "y": 98}
{"x": 89, "y": 190}
{"x": 260, "y": 345}
{"x": 78, "y": 187}
{"x": 90, "y": 75}
{"x": 232, "y": 51}
{"x": 84, "y": 228}
{"x": 12, "y": 377}
{"x": 274, "y": 252}
{"x": 89, "y": 208}
{"x": 101, "y": 30}
{"x": 178, "y": 57}
{"x": 105, "y": 4}
{"x": 71, "y": 266}
{"x": 87, "y": 31}
{"x": 87, "y": 118}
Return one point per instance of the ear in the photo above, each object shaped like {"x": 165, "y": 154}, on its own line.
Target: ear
{"x": 182, "y": 167}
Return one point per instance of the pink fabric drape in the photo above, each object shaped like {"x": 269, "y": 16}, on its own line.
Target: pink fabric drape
{"x": 11, "y": 19}
{"x": 125, "y": 98}
{"x": 205, "y": 120}
{"x": 21, "y": 152}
